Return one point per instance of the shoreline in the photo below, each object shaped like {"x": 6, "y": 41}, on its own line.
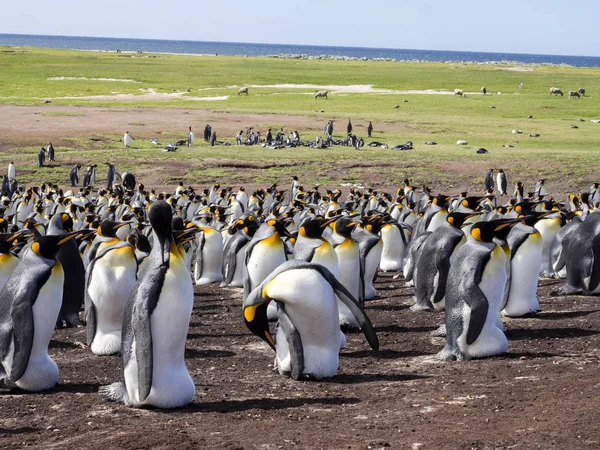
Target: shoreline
{"x": 307, "y": 57}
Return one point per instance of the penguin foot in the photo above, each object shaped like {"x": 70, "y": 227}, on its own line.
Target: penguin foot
{"x": 565, "y": 290}
{"x": 421, "y": 307}
{"x": 439, "y": 332}
{"x": 349, "y": 327}
{"x": 116, "y": 392}
{"x": 450, "y": 355}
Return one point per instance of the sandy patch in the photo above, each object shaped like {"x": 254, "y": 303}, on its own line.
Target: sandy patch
{"x": 120, "y": 80}
{"x": 148, "y": 94}
{"x": 350, "y": 89}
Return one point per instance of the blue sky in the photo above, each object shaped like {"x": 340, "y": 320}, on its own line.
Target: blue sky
{"x": 514, "y": 26}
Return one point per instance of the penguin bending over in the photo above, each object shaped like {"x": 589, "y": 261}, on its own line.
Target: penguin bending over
{"x": 155, "y": 326}
{"x": 559, "y": 247}
{"x": 307, "y": 337}
{"x": 29, "y": 306}
{"x": 474, "y": 294}
{"x": 582, "y": 258}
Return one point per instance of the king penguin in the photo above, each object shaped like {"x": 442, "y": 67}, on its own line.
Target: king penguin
{"x": 234, "y": 252}
{"x": 155, "y": 326}
{"x": 110, "y": 277}
{"x": 29, "y": 306}
{"x": 370, "y": 247}
{"x": 307, "y": 340}
{"x": 74, "y": 285}
{"x": 265, "y": 252}
{"x": 395, "y": 237}
{"x": 8, "y": 261}
{"x": 209, "y": 256}
{"x": 582, "y": 258}
{"x": 434, "y": 263}
{"x": 525, "y": 243}
{"x": 474, "y": 294}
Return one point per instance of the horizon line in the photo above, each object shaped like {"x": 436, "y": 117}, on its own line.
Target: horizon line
{"x": 297, "y": 45}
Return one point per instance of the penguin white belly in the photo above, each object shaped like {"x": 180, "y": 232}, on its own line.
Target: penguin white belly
{"x": 311, "y": 306}
{"x": 42, "y": 371}
{"x": 113, "y": 279}
{"x": 172, "y": 385}
{"x": 266, "y": 257}
{"x": 393, "y": 250}
{"x": 349, "y": 275}
{"x": 522, "y": 297}
{"x": 212, "y": 259}
{"x": 437, "y": 220}
{"x": 548, "y": 228}
{"x": 327, "y": 257}
{"x": 491, "y": 341}
{"x": 371, "y": 264}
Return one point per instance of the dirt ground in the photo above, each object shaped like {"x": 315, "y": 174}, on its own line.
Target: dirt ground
{"x": 542, "y": 394}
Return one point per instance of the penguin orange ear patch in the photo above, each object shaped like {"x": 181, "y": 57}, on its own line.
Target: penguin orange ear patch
{"x": 476, "y": 233}
{"x": 36, "y": 248}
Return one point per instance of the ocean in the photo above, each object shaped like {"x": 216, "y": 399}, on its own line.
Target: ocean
{"x": 247, "y": 49}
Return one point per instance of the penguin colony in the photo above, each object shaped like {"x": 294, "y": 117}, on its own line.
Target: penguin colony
{"x": 303, "y": 258}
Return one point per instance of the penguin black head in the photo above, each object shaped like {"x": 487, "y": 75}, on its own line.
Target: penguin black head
{"x": 255, "y": 314}
{"x": 457, "y": 219}
{"x": 313, "y": 228}
{"x": 344, "y": 226}
{"x": 160, "y": 217}
{"x": 487, "y": 231}
{"x": 108, "y": 228}
{"x": 177, "y": 223}
{"x": 48, "y": 246}
{"x": 7, "y": 241}
{"x": 441, "y": 200}
{"x": 279, "y": 226}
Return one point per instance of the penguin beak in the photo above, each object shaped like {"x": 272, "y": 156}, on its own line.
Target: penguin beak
{"x": 255, "y": 315}
{"x": 68, "y": 236}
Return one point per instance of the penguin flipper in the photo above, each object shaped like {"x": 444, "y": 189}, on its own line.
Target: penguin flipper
{"x": 90, "y": 309}
{"x": 294, "y": 340}
{"x": 144, "y": 302}
{"x": 21, "y": 311}
{"x": 199, "y": 262}
{"x": 478, "y": 304}
{"x": 595, "y": 267}
{"x": 353, "y": 305}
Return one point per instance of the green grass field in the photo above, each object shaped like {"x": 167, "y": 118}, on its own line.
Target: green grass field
{"x": 562, "y": 154}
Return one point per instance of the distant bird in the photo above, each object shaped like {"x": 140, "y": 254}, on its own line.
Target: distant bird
{"x": 501, "y": 183}
{"x": 489, "y": 180}
{"x": 516, "y": 131}
{"x": 12, "y": 170}
{"x": 155, "y": 142}
{"x": 127, "y": 139}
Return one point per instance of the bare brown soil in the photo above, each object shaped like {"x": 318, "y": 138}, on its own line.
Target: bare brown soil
{"x": 542, "y": 394}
